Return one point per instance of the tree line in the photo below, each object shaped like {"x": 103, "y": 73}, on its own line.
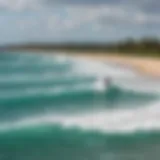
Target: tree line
{"x": 145, "y": 46}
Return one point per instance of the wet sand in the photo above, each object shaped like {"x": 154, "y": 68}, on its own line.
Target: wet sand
{"x": 146, "y": 66}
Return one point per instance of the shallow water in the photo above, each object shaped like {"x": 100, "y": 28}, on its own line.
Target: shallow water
{"x": 50, "y": 108}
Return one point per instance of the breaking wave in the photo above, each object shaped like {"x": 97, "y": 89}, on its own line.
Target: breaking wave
{"x": 51, "y": 104}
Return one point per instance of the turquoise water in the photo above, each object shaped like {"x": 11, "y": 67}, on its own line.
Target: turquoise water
{"x": 51, "y": 108}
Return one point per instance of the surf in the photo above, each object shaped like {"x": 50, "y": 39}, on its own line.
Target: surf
{"x": 51, "y": 104}
{"x": 106, "y": 121}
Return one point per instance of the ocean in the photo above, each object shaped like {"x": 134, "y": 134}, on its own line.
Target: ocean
{"x": 51, "y": 108}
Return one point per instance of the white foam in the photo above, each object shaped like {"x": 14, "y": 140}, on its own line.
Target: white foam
{"x": 107, "y": 121}
{"x": 88, "y": 67}
{"x": 139, "y": 85}
{"x": 100, "y": 85}
{"x": 123, "y": 77}
{"x": 60, "y": 58}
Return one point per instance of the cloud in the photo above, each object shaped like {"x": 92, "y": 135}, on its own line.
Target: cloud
{"x": 19, "y": 5}
{"x": 63, "y": 19}
{"x": 66, "y": 19}
{"x": 109, "y": 15}
{"x": 77, "y": 17}
{"x": 84, "y": 2}
{"x": 147, "y": 6}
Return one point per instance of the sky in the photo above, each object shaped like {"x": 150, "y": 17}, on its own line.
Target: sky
{"x": 49, "y": 21}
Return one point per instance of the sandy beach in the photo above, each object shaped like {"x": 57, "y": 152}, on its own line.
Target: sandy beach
{"x": 147, "y": 66}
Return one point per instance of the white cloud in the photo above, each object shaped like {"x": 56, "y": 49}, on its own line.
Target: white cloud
{"x": 141, "y": 18}
{"x": 97, "y": 18}
{"x": 77, "y": 15}
{"x": 19, "y": 5}
{"x": 60, "y": 21}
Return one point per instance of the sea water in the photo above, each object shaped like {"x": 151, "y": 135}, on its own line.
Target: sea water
{"x": 51, "y": 108}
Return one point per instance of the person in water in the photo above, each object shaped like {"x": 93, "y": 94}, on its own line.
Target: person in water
{"x": 103, "y": 84}
{"x": 107, "y": 81}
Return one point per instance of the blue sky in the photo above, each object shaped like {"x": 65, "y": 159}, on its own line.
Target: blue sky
{"x": 23, "y": 21}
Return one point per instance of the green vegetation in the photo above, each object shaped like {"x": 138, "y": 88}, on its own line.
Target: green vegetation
{"x": 142, "y": 47}
{"x": 146, "y": 47}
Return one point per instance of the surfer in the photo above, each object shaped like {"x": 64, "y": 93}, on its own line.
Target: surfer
{"x": 107, "y": 81}
{"x": 103, "y": 84}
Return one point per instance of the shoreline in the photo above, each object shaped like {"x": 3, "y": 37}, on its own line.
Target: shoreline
{"x": 145, "y": 66}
